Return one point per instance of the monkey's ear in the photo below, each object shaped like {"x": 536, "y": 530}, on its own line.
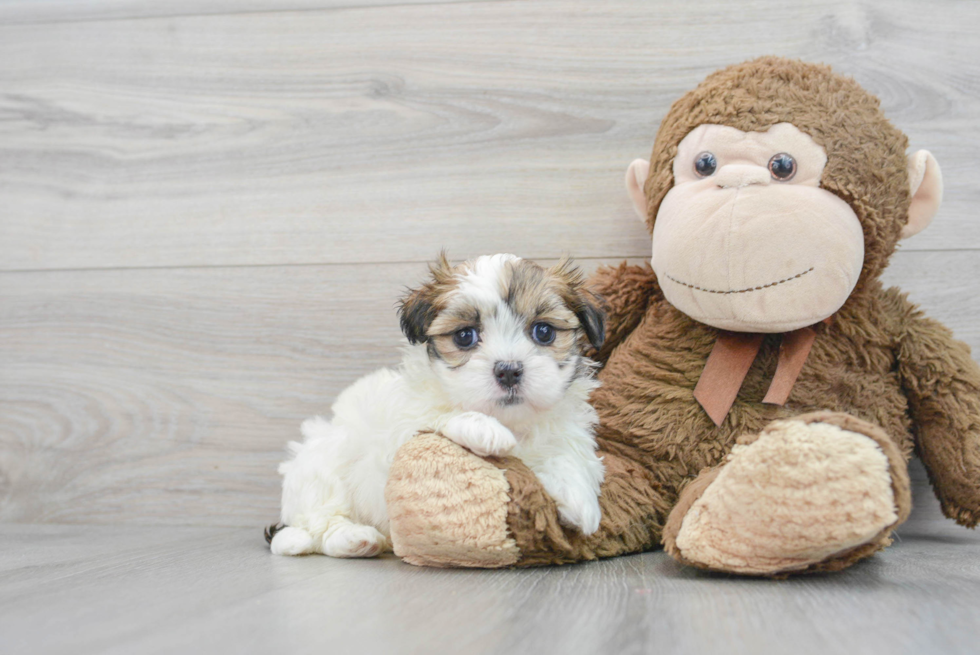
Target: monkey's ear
{"x": 636, "y": 177}
{"x": 926, "y": 184}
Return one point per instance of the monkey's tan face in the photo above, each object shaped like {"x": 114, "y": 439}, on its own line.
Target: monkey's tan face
{"x": 747, "y": 240}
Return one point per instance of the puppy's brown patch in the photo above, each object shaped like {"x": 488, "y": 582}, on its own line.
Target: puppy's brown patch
{"x": 421, "y": 306}
{"x": 586, "y": 305}
{"x": 556, "y": 296}
{"x": 536, "y": 295}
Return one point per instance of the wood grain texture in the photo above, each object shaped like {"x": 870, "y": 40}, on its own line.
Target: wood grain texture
{"x": 21, "y": 12}
{"x": 245, "y": 195}
{"x": 207, "y": 212}
{"x": 166, "y": 396}
{"x": 376, "y": 134}
{"x": 84, "y": 589}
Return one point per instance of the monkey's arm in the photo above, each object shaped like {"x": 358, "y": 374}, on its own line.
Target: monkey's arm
{"x": 627, "y": 290}
{"x": 942, "y": 383}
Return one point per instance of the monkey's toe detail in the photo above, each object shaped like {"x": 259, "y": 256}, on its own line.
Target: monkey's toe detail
{"x": 813, "y": 493}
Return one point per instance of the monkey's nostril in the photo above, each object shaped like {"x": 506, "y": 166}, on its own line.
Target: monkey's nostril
{"x": 508, "y": 374}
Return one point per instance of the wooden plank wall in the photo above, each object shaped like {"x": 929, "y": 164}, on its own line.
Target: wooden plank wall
{"x": 208, "y": 209}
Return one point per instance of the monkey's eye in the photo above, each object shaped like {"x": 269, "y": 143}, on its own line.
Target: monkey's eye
{"x": 705, "y": 164}
{"x": 466, "y": 338}
{"x": 782, "y": 167}
{"x": 543, "y": 333}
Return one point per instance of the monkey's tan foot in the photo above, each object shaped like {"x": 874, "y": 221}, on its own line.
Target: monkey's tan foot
{"x": 814, "y": 493}
{"x": 448, "y": 507}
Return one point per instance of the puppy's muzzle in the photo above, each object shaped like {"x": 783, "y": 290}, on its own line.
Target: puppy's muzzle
{"x": 508, "y": 374}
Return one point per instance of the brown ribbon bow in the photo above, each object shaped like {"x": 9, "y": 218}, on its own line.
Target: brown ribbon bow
{"x": 730, "y": 361}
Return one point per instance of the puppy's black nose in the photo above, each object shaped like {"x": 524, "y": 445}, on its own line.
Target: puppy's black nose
{"x": 508, "y": 374}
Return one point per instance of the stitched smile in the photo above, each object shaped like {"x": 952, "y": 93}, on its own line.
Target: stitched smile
{"x": 725, "y": 293}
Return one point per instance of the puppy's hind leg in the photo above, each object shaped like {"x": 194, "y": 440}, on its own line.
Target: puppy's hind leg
{"x": 344, "y": 538}
{"x": 317, "y": 504}
{"x": 292, "y": 541}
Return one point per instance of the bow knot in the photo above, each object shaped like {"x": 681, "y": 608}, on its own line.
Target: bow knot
{"x": 730, "y": 361}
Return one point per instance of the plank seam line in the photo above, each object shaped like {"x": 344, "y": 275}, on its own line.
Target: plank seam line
{"x": 85, "y": 269}
{"x": 191, "y": 267}
{"x": 295, "y": 10}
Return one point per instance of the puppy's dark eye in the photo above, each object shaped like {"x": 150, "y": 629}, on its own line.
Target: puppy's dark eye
{"x": 542, "y": 333}
{"x": 466, "y": 337}
{"x": 705, "y": 164}
{"x": 782, "y": 167}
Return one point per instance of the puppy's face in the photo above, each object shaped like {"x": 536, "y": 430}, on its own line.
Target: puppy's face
{"x": 503, "y": 334}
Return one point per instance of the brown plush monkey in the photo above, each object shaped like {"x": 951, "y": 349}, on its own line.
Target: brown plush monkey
{"x": 762, "y": 392}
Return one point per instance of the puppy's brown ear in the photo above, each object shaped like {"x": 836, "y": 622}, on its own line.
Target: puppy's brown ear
{"x": 419, "y": 307}
{"x": 416, "y": 312}
{"x": 588, "y": 307}
{"x": 592, "y": 317}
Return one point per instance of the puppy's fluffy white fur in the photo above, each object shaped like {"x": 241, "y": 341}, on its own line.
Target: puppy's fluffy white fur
{"x": 333, "y": 486}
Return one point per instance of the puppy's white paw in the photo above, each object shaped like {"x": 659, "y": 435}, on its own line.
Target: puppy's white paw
{"x": 354, "y": 540}
{"x": 583, "y": 514}
{"x": 292, "y": 541}
{"x": 578, "y": 506}
{"x": 482, "y": 434}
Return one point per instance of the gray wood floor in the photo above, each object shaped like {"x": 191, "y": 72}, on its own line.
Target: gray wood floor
{"x": 207, "y": 212}
{"x": 127, "y": 589}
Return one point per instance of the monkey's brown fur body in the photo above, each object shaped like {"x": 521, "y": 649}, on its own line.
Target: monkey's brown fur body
{"x": 878, "y": 369}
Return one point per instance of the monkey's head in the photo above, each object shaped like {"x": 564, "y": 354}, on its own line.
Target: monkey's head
{"x": 777, "y": 190}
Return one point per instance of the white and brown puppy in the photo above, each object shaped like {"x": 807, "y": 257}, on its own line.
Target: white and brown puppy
{"x": 494, "y": 363}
